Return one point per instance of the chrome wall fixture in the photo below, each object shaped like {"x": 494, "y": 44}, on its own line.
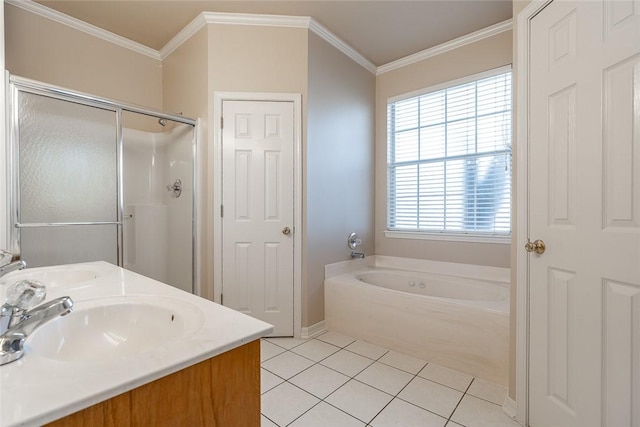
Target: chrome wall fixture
{"x": 353, "y": 241}
{"x": 176, "y": 188}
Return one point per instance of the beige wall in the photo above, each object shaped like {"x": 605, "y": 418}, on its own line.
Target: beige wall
{"x": 483, "y": 55}
{"x": 44, "y": 50}
{"x": 339, "y": 165}
{"x": 257, "y": 59}
{"x": 185, "y": 77}
{"x": 185, "y": 84}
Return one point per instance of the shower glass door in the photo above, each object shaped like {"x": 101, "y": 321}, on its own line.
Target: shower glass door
{"x": 67, "y": 180}
{"x": 98, "y": 180}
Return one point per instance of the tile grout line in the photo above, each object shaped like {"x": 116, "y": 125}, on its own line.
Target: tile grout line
{"x": 267, "y": 391}
{"x": 396, "y": 396}
{"x": 323, "y": 399}
{"x": 263, "y": 415}
{"x": 459, "y": 402}
{"x": 316, "y": 363}
{"x": 345, "y": 383}
{"x": 316, "y": 404}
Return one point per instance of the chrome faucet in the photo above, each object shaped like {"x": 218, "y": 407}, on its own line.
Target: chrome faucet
{"x": 6, "y": 266}
{"x": 357, "y": 254}
{"x": 16, "y": 323}
{"x": 13, "y": 266}
{"x": 21, "y": 296}
{"x": 12, "y": 341}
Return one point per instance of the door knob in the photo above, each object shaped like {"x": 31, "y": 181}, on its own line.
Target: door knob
{"x": 536, "y": 246}
{"x": 286, "y": 231}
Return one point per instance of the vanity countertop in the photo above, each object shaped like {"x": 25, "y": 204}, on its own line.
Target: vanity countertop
{"x": 38, "y": 388}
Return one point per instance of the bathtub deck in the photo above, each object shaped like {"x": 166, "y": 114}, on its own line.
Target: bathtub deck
{"x": 336, "y": 380}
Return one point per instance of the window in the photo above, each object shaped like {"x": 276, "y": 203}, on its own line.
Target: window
{"x": 449, "y": 160}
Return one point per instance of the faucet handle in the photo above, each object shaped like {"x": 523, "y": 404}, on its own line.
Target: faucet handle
{"x": 26, "y": 293}
{"x": 5, "y": 257}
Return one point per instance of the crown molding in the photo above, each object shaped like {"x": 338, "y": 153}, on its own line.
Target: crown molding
{"x": 484, "y": 33}
{"x": 336, "y": 42}
{"x": 205, "y": 18}
{"x": 87, "y": 28}
{"x": 266, "y": 21}
{"x": 185, "y": 34}
{"x": 257, "y": 20}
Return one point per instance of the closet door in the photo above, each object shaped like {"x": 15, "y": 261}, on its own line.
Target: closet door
{"x": 584, "y": 204}
{"x": 66, "y": 182}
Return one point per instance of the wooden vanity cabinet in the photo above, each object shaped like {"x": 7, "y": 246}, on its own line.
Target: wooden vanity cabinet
{"x": 221, "y": 391}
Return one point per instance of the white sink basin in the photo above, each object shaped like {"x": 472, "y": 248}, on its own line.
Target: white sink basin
{"x": 53, "y": 277}
{"x": 120, "y": 327}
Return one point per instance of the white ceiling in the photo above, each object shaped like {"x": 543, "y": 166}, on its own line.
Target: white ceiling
{"x": 382, "y": 31}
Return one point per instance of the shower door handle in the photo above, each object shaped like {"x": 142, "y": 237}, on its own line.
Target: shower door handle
{"x": 286, "y": 231}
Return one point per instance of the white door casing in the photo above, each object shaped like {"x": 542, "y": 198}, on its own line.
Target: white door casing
{"x": 258, "y": 202}
{"x": 584, "y": 203}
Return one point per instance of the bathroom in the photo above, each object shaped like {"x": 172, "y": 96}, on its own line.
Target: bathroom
{"x": 344, "y": 138}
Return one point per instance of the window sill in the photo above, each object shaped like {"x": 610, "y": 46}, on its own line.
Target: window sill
{"x": 467, "y": 238}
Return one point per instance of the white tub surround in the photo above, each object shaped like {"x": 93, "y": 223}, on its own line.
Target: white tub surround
{"x": 46, "y": 385}
{"x": 454, "y": 315}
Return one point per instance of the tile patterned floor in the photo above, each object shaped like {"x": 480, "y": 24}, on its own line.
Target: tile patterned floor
{"x": 335, "y": 381}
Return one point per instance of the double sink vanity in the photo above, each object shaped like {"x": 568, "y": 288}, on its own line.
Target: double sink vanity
{"x": 132, "y": 351}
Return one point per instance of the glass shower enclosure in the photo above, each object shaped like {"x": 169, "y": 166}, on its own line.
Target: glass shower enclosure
{"x": 93, "y": 179}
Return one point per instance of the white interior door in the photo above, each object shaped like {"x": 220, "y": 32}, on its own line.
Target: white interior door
{"x": 584, "y": 201}
{"x": 257, "y": 211}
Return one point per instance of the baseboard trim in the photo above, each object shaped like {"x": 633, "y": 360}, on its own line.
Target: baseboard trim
{"x": 313, "y": 330}
{"x": 510, "y": 408}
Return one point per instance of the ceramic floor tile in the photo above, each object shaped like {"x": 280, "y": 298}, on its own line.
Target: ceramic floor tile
{"x": 402, "y": 414}
{"x": 268, "y": 350}
{"x": 431, "y": 396}
{"x": 286, "y": 343}
{"x": 268, "y": 381}
{"x": 319, "y": 380}
{"x": 402, "y": 361}
{"x": 315, "y": 350}
{"x": 266, "y": 422}
{"x": 360, "y": 400}
{"x": 287, "y": 364}
{"x": 346, "y": 362}
{"x": 366, "y": 349}
{"x": 452, "y": 424}
{"x": 385, "y": 378}
{"x": 446, "y": 376}
{"x": 488, "y": 391}
{"x": 474, "y": 412}
{"x": 323, "y": 415}
{"x": 336, "y": 339}
{"x": 285, "y": 403}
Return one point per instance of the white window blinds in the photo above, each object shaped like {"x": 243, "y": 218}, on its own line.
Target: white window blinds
{"x": 449, "y": 160}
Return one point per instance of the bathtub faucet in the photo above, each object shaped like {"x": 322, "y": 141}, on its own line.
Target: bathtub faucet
{"x": 357, "y": 254}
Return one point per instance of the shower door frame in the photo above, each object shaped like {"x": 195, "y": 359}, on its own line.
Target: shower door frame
{"x": 16, "y": 85}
